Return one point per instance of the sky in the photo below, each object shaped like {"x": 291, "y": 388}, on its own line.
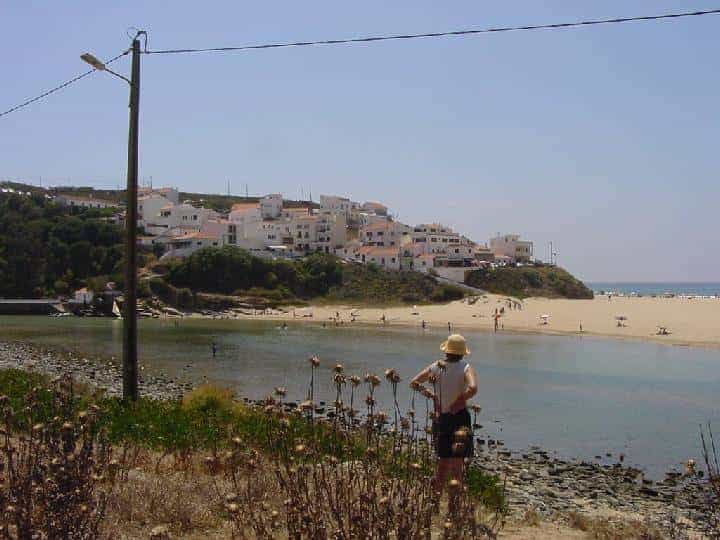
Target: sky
{"x": 603, "y": 140}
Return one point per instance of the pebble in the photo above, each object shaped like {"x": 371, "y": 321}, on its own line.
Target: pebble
{"x": 95, "y": 373}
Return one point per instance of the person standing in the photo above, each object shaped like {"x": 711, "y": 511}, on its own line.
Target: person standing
{"x": 455, "y": 382}
{"x": 214, "y": 349}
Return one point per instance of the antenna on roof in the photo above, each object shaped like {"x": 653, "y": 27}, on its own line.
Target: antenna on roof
{"x": 246, "y": 191}
{"x": 310, "y": 193}
{"x": 228, "y": 187}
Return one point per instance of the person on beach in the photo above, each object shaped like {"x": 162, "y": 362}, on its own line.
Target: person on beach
{"x": 214, "y": 349}
{"x": 455, "y": 382}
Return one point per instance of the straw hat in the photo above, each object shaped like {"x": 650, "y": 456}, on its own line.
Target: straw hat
{"x": 455, "y": 344}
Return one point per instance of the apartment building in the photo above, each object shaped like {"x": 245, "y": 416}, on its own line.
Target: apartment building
{"x": 83, "y": 202}
{"x": 385, "y": 257}
{"x": 385, "y": 233}
{"x": 510, "y": 245}
{"x": 334, "y": 204}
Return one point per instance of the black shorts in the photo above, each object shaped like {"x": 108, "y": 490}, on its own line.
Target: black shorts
{"x": 453, "y": 435}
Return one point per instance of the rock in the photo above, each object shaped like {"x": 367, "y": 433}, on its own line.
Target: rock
{"x": 161, "y": 532}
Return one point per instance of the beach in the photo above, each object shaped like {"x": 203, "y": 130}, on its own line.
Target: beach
{"x": 689, "y": 321}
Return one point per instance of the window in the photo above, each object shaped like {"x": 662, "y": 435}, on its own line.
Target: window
{"x": 392, "y": 260}
{"x": 194, "y": 217}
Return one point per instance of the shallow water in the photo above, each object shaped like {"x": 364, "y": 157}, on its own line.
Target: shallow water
{"x": 579, "y": 396}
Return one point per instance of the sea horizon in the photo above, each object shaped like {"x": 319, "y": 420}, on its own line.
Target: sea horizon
{"x": 697, "y": 288}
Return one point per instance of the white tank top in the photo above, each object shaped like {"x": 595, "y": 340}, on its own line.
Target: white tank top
{"x": 451, "y": 382}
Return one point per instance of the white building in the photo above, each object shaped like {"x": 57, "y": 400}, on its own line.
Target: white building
{"x": 170, "y": 193}
{"x": 374, "y": 207}
{"x": 385, "y": 233}
{"x": 334, "y": 204}
{"x": 510, "y": 245}
{"x": 434, "y": 238}
{"x": 385, "y": 257}
{"x": 151, "y": 202}
{"x": 83, "y": 202}
{"x": 215, "y": 233}
{"x": 271, "y": 206}
{"x": 319, "y": 232}
{"x": 184, "y": 216}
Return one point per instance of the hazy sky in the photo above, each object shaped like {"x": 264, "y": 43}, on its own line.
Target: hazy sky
{"x": 603, "y": 139}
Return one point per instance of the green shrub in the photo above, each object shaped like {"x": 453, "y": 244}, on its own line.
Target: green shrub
{"x": 209, "y": 398}
{"x": 485, "y": 487}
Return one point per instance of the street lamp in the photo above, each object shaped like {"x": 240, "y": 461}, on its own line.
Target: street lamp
{"x": 130, "y": 364}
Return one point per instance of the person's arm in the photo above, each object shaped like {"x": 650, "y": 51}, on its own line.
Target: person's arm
{"x": 470, "y": 390}
{"x": 422, "y": 377}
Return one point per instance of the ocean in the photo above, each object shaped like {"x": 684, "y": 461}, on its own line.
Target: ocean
{"x": 657, "y": 288}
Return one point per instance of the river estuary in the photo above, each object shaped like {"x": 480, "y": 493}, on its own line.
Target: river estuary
{"x": 579, "y": 397}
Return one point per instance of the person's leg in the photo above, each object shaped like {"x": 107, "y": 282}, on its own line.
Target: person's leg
{"x": 441, "y": 474}
{"x": 455, "y": 469}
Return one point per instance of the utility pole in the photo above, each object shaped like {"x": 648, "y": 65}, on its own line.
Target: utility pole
{"x": 130, "y": 361}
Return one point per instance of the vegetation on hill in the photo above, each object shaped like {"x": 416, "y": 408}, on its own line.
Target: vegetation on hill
{"x": 218, "y": 202}
{"x": 47, "y": 249}
{"x": 372, "y": 284}
{"x": 233, "y": 271}
{"x": 526, "y": 281}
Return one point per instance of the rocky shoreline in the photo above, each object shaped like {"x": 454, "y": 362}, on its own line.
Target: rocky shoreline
{"x": 555, "y": 488}
{"x": 104, "y": 375}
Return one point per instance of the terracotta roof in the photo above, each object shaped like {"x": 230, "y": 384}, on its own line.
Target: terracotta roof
{"x": 378, "y": 250}
{"x": 374, "y": 204}
{"x": 378, "y": 226}
{"x": 244, "y": 206}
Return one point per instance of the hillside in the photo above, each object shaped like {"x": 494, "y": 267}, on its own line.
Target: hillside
{"x": 46, "y": 249}
{"x": 526, "y": 281}
{"x": 233, "y": 272}
{"x": 371, "y": 284}
{"x": 218, "y": 202}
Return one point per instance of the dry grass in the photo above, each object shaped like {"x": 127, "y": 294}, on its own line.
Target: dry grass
{"x": 531, "y": 517}
{"x": 605, "y": 528}
{"x": 285, "y": 474}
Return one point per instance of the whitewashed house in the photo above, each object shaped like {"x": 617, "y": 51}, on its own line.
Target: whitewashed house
{"x": 510, "y": 246}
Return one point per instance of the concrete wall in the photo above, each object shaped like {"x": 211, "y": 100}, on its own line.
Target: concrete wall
{"x": 452, "y": 273}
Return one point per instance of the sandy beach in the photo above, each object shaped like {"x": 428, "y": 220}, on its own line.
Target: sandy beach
{"x": 693, "y": 322}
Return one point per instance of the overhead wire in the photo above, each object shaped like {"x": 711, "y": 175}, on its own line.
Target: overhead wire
{"x": 370, "y": 39}
{"x": 60, "y": 86}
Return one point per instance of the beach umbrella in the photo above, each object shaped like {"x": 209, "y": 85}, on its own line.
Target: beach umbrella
{"x": 621, "y": 318}
{"x": 545, "y": 316}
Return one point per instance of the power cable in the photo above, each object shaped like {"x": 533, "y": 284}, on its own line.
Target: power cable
{"x": 369, "y": 39}
{"x": 60, "y": 86}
